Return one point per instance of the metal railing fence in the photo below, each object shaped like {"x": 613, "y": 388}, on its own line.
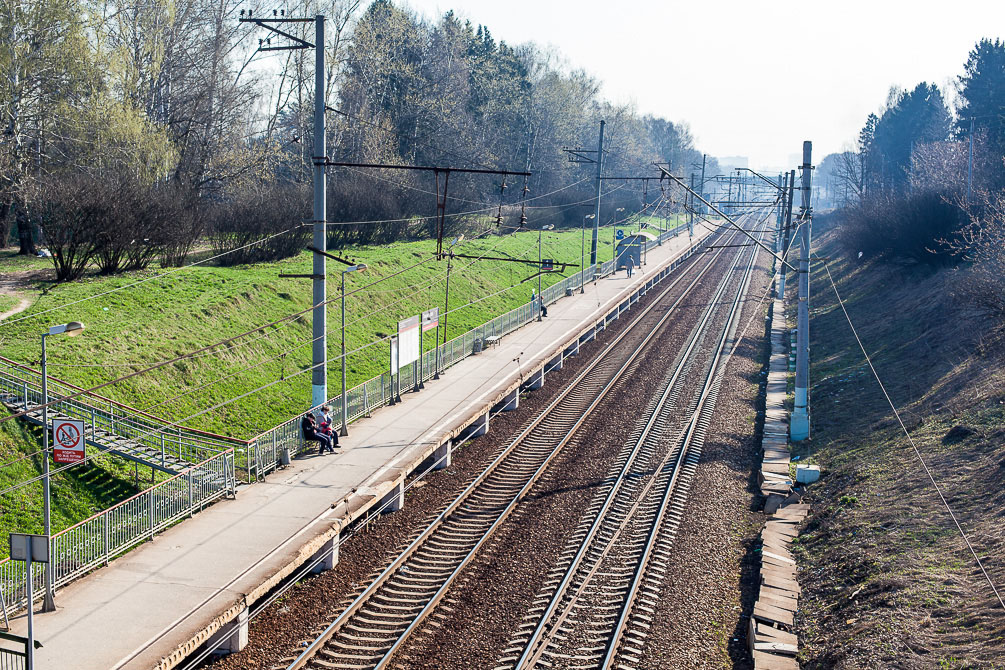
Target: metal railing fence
{"x": 159, "y": 440}
{"x": 93, "y": 542}
{"x": 13, "y": 652}
{"x": 265, "y": 450}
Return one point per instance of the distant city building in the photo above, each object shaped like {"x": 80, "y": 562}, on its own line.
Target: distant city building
{"x": 727, "y": 163}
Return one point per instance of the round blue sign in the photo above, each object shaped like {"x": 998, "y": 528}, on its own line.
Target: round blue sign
{"x": 620, "y": 234}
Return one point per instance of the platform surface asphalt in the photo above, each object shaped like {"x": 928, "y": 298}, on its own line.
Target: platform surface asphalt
{"x": 143, "y": 608}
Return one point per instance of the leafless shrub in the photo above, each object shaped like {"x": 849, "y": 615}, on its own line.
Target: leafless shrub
{"x": 261, "y": 223}
{"x": 981, "y": 285}
{"x": 181, "y": 222}
{"x": 69, "y": 214}
{"x": 918, "y": 228}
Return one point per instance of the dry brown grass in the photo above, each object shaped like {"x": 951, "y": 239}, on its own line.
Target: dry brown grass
{"x": 888, "y": 581}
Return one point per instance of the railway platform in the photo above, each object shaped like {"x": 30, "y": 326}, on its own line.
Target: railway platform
{"x": 154, "y": 606}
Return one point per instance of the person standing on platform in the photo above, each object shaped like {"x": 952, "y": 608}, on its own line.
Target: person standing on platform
{"x": 630, "y": 265}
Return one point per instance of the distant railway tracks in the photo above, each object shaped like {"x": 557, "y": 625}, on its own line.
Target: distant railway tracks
{"x": 597, "y": 605}
{"x": 599, "y": 590}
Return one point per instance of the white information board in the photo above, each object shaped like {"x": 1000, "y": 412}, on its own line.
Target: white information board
{"x": 394, "y": 355}
{"x": 408, "y": 340}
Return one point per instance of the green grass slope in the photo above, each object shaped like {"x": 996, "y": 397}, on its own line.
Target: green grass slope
{"x": 189, "y": 309}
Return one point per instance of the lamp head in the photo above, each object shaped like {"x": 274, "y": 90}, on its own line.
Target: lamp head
{"x": 547, "y": 227}
{"x": 70, "y": 329}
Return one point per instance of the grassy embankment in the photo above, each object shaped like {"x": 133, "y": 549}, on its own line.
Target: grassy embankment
{"x": 887, "y": 580}
{"x": 77, "y": 493}
{"x": 166, "y": 317}
{"x": 195, "y": 307}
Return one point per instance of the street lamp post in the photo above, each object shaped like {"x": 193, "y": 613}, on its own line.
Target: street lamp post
{"x": 69, "y": 329}
{"x": 344, "y": 430}
{"x": 540, "y": 298}
{"x": 582, "y": 255}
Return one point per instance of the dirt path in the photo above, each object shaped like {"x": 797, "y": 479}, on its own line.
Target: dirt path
{"x": 15, "y": 284}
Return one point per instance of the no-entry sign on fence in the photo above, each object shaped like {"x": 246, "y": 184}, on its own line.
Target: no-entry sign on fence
{"x": 67, "y": 441}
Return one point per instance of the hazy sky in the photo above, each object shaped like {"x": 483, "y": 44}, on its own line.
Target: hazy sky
{"x": 719, "y": 65}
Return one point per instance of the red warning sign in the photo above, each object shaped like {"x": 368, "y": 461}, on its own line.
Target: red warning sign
{"x": 67, "y": 441}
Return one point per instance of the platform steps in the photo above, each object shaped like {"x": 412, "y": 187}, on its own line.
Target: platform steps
{"x": 163, "y": 461}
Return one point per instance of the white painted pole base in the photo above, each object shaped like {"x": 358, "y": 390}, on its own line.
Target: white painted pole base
{"x": 319, "y": 395}
{"x": 799, "y": 426}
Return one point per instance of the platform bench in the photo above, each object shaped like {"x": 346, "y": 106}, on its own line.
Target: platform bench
{"x": 492, "y": 341}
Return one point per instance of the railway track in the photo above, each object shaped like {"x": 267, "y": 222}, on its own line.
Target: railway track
{"x": 382, "y": 618}
{"x": 596, "y": 606}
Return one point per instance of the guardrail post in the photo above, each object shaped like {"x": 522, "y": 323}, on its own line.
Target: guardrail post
{"x": 191, "y": 511}
{"x": 162, "y": 448}
{"x": 150, "y": 497}
{"x": 258, "y": 459}
{"x": 108, "y": 536}
{"x": 92, "y": 423}
{"x": 25, "y": 396}
{"x": 366, "y": 402}
{"x": 111, "y": 416}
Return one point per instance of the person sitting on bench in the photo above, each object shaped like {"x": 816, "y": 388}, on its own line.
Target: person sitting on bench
{"x": 326, "y": 425}
{"x": 311, "y": 434}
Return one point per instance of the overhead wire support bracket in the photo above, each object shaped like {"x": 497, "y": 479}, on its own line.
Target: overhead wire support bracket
{"x": 298, "y": 43}
{"x": 718, "y": 211}
{"x": 441, "y": 200}
{"x": 518, "y": 260}
{"x": 331, "y": 256}
{"x": 578, "y": 155}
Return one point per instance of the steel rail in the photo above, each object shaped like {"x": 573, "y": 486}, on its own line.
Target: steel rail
{"x": 439, "y": 594}
{"x": 354, "y": 608}
{"x": 671, "y": 487}
{"x": 537, "y": 644}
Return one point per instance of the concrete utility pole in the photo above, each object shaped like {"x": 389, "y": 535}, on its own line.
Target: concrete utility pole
{"x": 701, "y": 188}
{"x": 596, "y": 213}
{"x": 729, "y": 195}
{"x": 690, "y": 210}
{"x": 319, "y": 351}
{"x": 786, "y": 227}
{"x": 799, "y": 428}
